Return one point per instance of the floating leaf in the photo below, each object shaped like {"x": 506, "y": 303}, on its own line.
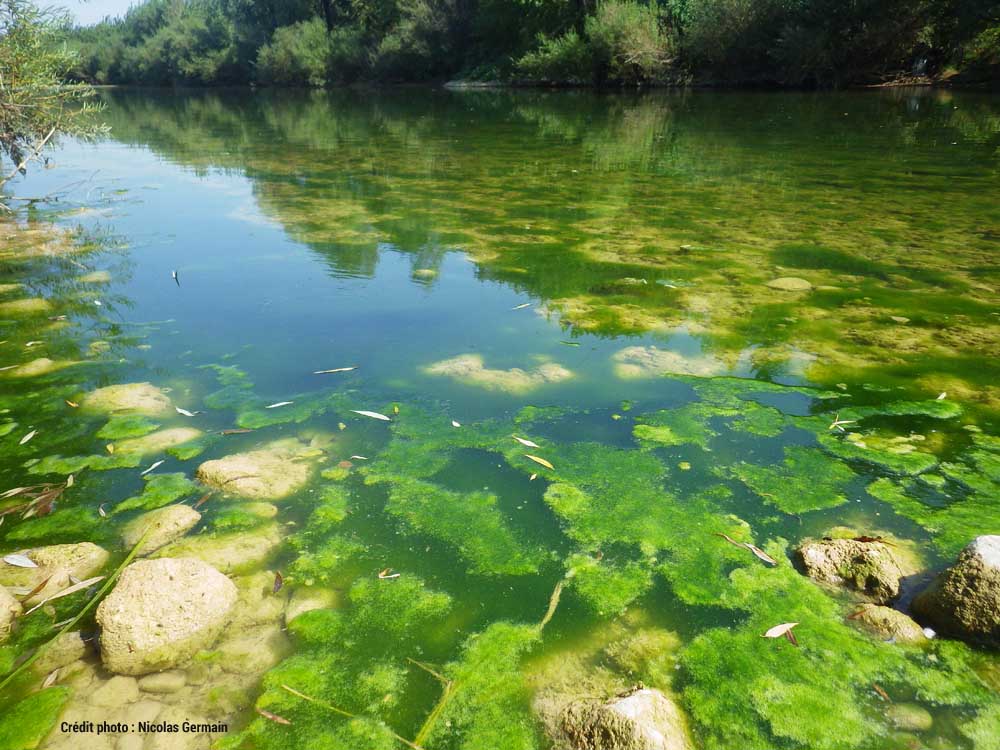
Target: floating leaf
{"x": 359, "y": 458}
{"x": 541, "y": 461}
{"x": 335, "y": 369}
{"x": 372, "y": 414}
{"x": 78, "y": 586}
{"x": 273, "y": 717}
{"x": 278, "y": 582}
{"x": 28, "y": 437}
{"x": 202, "y": 500}
{"x": 533, "y": 477}
{"x": 185, "y": 412}
{"x": 236, "y": 431}
{"x": 761, "y": 554}
{"x": 387, "y": 574}
{"x": 455, "y": 424}
{"x": 19, "y": 561}
{"x": 144, "y": 473}
{"x": 72, "y": 404}
{"x": 12, "y": 492}
{"x": 110, "y": 448}
{"x": 521, "y": 307}
{"x": 51, "y": 679}
{"x": 784, "y": 629}
{"x": 942, "y": 396}
{"x": 528, "y": 443}
{"x": 280, "y": 403}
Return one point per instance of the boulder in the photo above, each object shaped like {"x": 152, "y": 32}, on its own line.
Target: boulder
{"x": 910, "y": 717}
{"x": 644, "y": 719}
{"x": 39, "y": 366}
{"x": 59, "y": 563}
{"x": 161, "y": 612}
{"x": 308, "y": 598}
{"x": 888, "y": 623}
{"x": 964, "y": 601}
{"x": 61, "y": 651}
{"x": 135, "y": 398}
{"x": 269, "y": 473}
{"x": 789, "y": 284}
{"x": 164, "y": 525}
{"x": 22, "y": 307}
{"x": 10, "y": 608}
{"x": 233, "y": 553}
{"x": 159, "y": 441}
{"x": 868, "y": 567}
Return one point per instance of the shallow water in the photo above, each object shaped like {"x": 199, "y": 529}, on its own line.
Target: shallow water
{"x": 605, "y": 259}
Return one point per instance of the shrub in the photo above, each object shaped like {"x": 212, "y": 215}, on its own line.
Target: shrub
{"x": 564, "y": 59}
{"x": 628, "y": 42}
{"x": 297, "y": 55}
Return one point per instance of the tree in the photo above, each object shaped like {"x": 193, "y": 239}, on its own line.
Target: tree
{"x": 36, "y": 105}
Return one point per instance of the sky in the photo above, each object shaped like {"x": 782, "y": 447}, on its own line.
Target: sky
{"x": 91, "y": 11}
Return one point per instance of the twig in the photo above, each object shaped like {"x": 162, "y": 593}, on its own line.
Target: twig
{"x": 553, "y": 603}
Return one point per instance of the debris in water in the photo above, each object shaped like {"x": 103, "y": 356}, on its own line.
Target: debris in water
{"x": 28, "y": 437}
{"x": 784, "y": 629}
{"x": 19, "y": 561}
{"x": 528, "y": 443}
{"x": 374, "y": 414}
{"x": 335, "y": 369}
{"x": 278, "y": 582}
{"x": 521, "y": 307}
{"x": 185, "y": 412}
{"x": 280, "y": 403}
{"x": 387, "y": 574}
{"x": 158, "y": 463}
{"x": 541, "y": 461}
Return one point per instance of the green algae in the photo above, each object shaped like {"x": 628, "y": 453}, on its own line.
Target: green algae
{"x": 27, "y": 723}
{"x": 192, "y": 448}
{"x": 63, "y": 526}
{"x": 118, "y": 428}
{"x": 236, "y": 390}
{"x": 807, "y": 480}
{"x": 606, "y": 587}
{"x": 984, "y": 729}
{"x": 669, "y": 427}
{"x": 76, "y": 464}
{"x": 159, "y": 490}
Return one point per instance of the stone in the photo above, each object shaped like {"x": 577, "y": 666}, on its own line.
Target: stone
{"x": 95, "y": 277}
{"x": 161, "y": 612}
{"x": 254, "y": 651}
{"x": 270, "y": 473}
{"x": 37, "y": 367}
{"x": 645, "y": 719}
{"x": 868, "y": 567}
{"x": 469, "y": 369}
{"x": 61, "y": 651}
{"x": 634, "y": 362}
{"x": 135, "y": 398}
{"x": 964, "y": 600}
{"x": 165, "y": 525}
{"x": 159, "y": 441}
{"x": 888, "y": 623}
{"x": 23, "y": 307}
{"x": 258, "y": 603}
{"x": 178, "y": 740}
{"x": 307, "y": 598}
{"x": 10, "y": 608}
{"x": 789, "y": 284}
{"x": 163, "y": 682}
{"x": 909, "y": 717}
{"x": 233, "y": 553}
{"x": 59, "y": 563}
{"x": 115, "y": 692}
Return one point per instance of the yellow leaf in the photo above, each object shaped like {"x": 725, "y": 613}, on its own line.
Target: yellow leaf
{"x": 541, "y": 461}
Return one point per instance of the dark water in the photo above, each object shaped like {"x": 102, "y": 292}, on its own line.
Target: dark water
{"x": 607, "y": 260}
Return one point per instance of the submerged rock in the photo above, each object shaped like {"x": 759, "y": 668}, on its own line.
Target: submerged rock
{"x": 910, "y": 717}
{"x": 137, "y": 398}
{"x": 164, "y": 524}
{"x": 868, "y": 567}
{"x": 650, "y": 361}
{"x": 308, "y": 598}
{"x": 29, "y": 306}
{"x": 40, "y": 366}
{"x": 161, "y": 612}
{"x": 645, "y": 719}
{"x": 889, "y": 623}
{"x": 233, "y": 553}
{"x": 10, "y": 608}
{"x": 61, "y": 651}
{"x": 789, "y": 284}
{"x": 964, "y": 601}
{"x": 270, "y": 473}
{"x": 469, "y": 369}
{"x": 159, "y": 441}
{"x": 58, "y": 564}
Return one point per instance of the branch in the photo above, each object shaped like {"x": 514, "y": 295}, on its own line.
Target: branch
{"x": 35, "y": 151}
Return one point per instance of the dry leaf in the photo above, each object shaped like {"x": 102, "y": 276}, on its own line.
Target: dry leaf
{"x": 341, "y": 426}
{"x": 783, "y": 630}
{"x": 533, "y": 477}
{"x": 37, "y": 588}
{"x": 373, "y": 414}
{"x": 101, "y": 512}
{"x": 15, "y": 491}
{"x": 278, "y": 582}
{"x": 942, "y": 396}
{"x": 884, "y": 695}
{"x": 395, "y": 409}
{"x": 335, "y": 369}
{"x": 79, "y": 586}
{"x": 185, "y": 412}
{"x": 761, "y": 554}
{"x": 280, "y": 403}
{"x": 273, "y": 717}
{"x": 72, "y": 404}
{"x": 51, "y": 679}
{"x": 359, "y": 458}
{"x": 455, "y": 424}
{"x": 19, "y": 561}
{"x": 158, "y": 463}
{"x": 202, "y": 500}
{"x": 28, "y": 437}
{"x": 521, "y": 307}
{"x": 237, "y": 431}
{"x": 110, "y": 448}
{"x": 528, "y": 443}
{"x": 541, "y": 461}
{"x": 387, "y": 574}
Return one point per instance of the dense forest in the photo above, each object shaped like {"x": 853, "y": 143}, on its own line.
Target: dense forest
{"x": 806, "y": 43}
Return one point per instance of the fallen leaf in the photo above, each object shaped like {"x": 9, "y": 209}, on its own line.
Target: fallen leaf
{"x": 15, "y": 491}
{"x": 280, "y": 403}
{"x": 37, "y": 588}
{"x": 33, "y": 343}
{"x": 942, "y": 396}
{"x": 158, "y": 463}
{"x": 360, "y": 458}
{"x": 273, "y": 717}
{"x": 570, "y": 343}
{"x": 335, "y": 369}
{"x": 761, "y": 554}
{"x": 72, "y": 404}
{"x": 455, "y": 424}
{"x": 202, "y": 500}
{"x": 28, "y": 437}
{"x": 395, "y": 409}
{"x": 521, "y": 307}
{"x": 19, "y": 561}
{"x": 79, "y": 586}
{"x": 541, "y": 461}
{"x": 278, "y": 582}
{"x": 341, "y": 426}
{"x": 533, "y": 477}
{"x": 110, "y": 448}
{"x": 185, "y": 412}
{"x": 528, "y": 443}
{"x": 51, "y": 679}
{"x": 101, "y": 512}
{"x": 884, "y": 695}
{"x": 373, "y": 414}
{"x": 237, "y": 431}
{"x": 387, "y": 574}
{"x": 783, "y": 630}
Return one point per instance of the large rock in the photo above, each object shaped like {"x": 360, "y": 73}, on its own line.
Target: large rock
{"x": 135, "y": 398}
{"x": 233, "y": 553}
{"x": 164, "y": 526}
{"x": 161, "y": 612}
{"x": 270, "y": 473}
{"x": 59, "y": 565}
{"x": 868, "y": 567}
{"x": 645, "y": 719}
{"x": 10, "y": 608}
{"x": 159, "y": 441}
{"x": 890, "y": 624}
{"x": 964, "y": 601}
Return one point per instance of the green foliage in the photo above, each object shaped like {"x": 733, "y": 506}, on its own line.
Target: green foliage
{"x": 160, "y": 490}
{"x": 565, "y": 59}
{"x": 298, "y": 55}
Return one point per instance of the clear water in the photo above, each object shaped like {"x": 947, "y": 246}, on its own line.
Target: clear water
{"x": 617, "y": 251}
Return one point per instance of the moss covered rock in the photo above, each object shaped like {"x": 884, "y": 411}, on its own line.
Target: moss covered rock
{"x": 644, "y": 719}
{"x": 888, "y": 623}
{"x": 159, "y": 441}
{"x": 964, "y": 601}
{"x": 137, "y": 398}
{"x": 650, "y": 361}
{"x": 39, "y": 366}
{"x": 234, "y": 553}
{"x": 868, "y": 567}
{"x": 163, "y": 525}
{"x": 10, "y": 608}
{"x": 910, "y": 717}
{"x": 469, "y": 369}
{"x": 21, "y": 307}
{"x": 271, "y": 473}
{"x": 161, "y": 612}
{"x": 58, "y": 565}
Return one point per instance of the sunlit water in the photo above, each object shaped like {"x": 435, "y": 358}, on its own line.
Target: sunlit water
{"x": 607, "y": 256}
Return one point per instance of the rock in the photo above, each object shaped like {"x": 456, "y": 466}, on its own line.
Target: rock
{"x": 900, "y": 319}
{"x": 136, "y": 398}
{"x": 165, "y": 525}
{"x": 270, "y": 473}
{"x": 425, "y": 273}
{"x": 161, "y": 612}
{"x": 964, "y": 601}
{"x": 645, "y": 719}
{"x": 868, "y": 567}
{"x": 469, "y": 369}
{"x": 909, "y": 717}
{"x": 40, "y": 366}
{"x": 234, "y": 553}
{"x": 116, "y": 692}
{"x": 58, "y": 563}
{"x": 61, "y": 651}
{"x": 20, "y": 307}
{"x": 649, "y": 362}
{"x": 258, "y": 603}
{"x": 789, "y": 284}
{"x": 95, "y": 277}
{"x": 307, "y": 598}
{"x": 254, "y": 651}
{"x": 159, "y": 441}
{"x": 10, "y": 608}
{"x": 163, "y": 682}
{"x": 889, "y": 623}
